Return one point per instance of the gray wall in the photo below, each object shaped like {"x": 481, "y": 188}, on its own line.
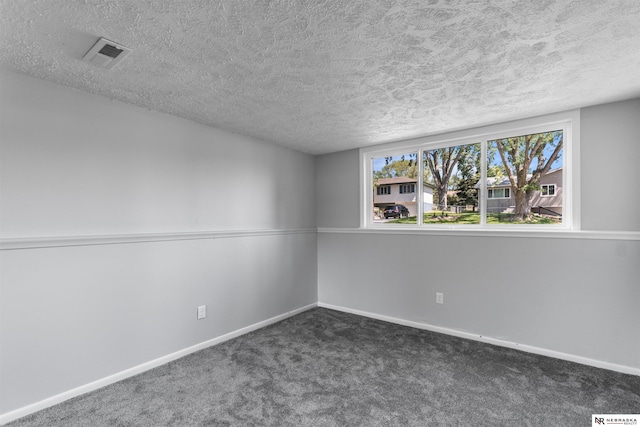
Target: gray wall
{"x": 610, "y": 173}
{"x": 580, "y": 298}
{"x": 76, "y": 165}
{"x": 337, "y": 189}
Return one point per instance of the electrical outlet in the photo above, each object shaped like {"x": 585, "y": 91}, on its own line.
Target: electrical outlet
{"x": 202, "y": 312}
{"x": 439, "y": 298}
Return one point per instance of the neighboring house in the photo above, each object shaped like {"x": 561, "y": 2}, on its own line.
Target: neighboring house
{"x": 402, "y": 191}
{"x": 547, "y": 200}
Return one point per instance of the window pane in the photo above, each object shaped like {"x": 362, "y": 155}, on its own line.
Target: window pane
{"x": 393, "y": 176}
{"x": 452, "y": 177}
{"x": 522, "y": 169}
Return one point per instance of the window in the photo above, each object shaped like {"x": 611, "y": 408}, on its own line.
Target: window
{"x": 548, "y": 189}
{"x": 488, "y": 180}
{"x": 407, "y": 188}
{"x": 452, "y": 174}
{"x": 498, "y": 193}
{"x": 383, "y": 189}
{"x": 393, "y": 178}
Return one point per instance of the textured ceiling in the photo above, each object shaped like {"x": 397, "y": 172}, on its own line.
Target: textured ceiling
{"x": 322, "y": 76}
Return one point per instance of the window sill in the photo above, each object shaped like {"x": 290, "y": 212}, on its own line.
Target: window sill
{"x": 493, "y": 232}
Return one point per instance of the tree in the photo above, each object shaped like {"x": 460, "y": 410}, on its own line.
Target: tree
{"x": 442, "y": 163}
{"x": 453, "y": 200}
{"x": 469, "y": 175}
{"x": 524, "y": 160}
{"x": 394, "y": 168}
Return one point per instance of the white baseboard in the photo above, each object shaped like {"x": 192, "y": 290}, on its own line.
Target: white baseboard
{"x": 59, "y": 398}
{"x": 527, "y": 348}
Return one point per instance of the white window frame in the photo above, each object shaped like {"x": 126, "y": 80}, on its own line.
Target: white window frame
{"x": 493, "y": 189}
{"x": 548, "y": 186}
{"x": 568, "y": 122}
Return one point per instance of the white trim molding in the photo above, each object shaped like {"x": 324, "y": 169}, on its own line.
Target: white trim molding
{"x": 526, "y": 348}
{"x": 478, "y": 232}
{"x": 62, "y": 241}
{"x": 127, "y": 373}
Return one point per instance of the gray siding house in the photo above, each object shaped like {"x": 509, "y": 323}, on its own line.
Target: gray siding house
{"x": 547, "y": 200}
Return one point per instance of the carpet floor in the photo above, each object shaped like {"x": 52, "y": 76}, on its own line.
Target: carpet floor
{"x": 328, "y": 368}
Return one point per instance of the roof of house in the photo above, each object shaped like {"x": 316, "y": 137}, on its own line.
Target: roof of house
{"x": 503, "y": 181}
{"x": 498, "y": 181}
{"x": 396, "y": 180}
{"x": 401, "y": 180}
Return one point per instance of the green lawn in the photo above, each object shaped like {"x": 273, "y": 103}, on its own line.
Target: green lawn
{"x": 473, "y": 218}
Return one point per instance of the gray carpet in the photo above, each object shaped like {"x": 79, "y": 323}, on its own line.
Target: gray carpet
{"x": 327, "y": 368}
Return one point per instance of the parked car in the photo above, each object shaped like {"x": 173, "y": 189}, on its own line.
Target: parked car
{"x": 395, "y": 211}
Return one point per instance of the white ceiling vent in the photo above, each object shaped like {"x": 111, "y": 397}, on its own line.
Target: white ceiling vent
{"x": 106, "y": 54}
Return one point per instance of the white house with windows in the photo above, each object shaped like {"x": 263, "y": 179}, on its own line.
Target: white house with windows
{"x": 401, "y": 190}
{"x": 547, "y": 200}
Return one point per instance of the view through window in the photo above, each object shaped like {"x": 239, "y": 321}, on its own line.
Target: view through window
{"x": 453, "y": 174}
{"x": 515, "y": 180}
{"x": 395, "y": 180}
{"x": 524, "y": 166}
